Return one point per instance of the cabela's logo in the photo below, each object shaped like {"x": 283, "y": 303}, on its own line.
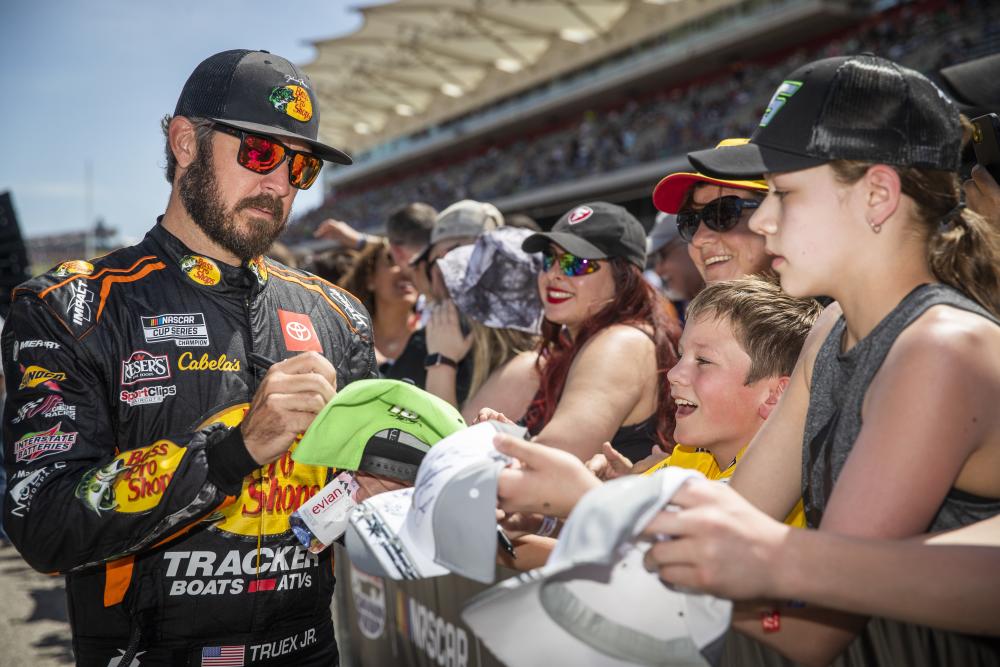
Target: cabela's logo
{"x": 200, "y": 269}
{"x": 187, "y": 362}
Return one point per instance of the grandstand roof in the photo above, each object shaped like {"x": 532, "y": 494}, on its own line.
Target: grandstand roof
{"x": 415, "y": 63}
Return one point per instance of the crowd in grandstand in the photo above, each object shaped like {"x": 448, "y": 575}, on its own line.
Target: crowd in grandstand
{"x": 663, "y": 123}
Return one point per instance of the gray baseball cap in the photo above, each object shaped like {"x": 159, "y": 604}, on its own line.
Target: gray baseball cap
{"x": 664, "y": 231}
{"x": 494, "y": 281}
{"x": 445, "y": 523}
{"x": 463, "y": 219}
{"x": 580, "y": 608}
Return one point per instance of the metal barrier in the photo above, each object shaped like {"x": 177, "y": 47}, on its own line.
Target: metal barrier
{"x": 386, "y": 622}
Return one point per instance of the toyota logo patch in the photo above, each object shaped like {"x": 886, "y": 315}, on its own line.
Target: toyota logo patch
{"x": 298, "y": 332}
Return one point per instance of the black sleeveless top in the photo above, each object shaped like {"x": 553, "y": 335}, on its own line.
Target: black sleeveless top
{"x": 839, "y": 384}
{"x": 634, "y": 441}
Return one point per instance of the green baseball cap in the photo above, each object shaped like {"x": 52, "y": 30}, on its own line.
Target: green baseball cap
{"x": 379, "y": 426}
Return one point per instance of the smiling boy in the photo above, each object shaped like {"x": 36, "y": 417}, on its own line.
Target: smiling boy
{"x": 738, "y": 350}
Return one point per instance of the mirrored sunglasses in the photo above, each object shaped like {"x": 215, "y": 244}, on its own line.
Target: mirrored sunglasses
{"x": 262, "y": 155}
{"x": 571, "y": 265}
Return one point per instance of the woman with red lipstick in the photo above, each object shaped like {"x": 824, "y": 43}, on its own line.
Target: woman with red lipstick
{"x": 608, "y": 338}
{"x": 712, "y": 217}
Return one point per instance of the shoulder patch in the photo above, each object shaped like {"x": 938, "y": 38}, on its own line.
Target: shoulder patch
{"x": 76, "y": 291}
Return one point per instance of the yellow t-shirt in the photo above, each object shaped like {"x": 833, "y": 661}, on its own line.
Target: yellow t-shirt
{"x": 702, "y": 460}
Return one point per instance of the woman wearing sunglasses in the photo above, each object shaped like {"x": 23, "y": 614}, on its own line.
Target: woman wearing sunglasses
{"x": 608, "y": 338}
{"x": 712, "y": 217}
{"x": 889, "y": 427}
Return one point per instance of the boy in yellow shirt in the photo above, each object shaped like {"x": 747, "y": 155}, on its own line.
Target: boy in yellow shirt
{"x": 737, "y": 352}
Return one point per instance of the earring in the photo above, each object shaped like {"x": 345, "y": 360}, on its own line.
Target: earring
{"x": 875, "y": 227}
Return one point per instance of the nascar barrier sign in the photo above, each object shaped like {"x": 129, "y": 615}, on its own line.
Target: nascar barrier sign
{"x": 386, "y": 622}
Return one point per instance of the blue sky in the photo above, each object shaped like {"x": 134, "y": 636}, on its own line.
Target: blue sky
{"x": 89, "y": 80}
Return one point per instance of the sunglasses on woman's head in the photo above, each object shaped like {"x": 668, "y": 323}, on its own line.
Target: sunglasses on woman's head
{"x": 571, "y": 265}
{"x": 719, "y": 215}
{"x": 262, "y": 155}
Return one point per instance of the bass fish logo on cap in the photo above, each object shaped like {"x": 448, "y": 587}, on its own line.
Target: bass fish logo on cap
{"x": 201, "y": 270}
{"x": 293, "y": 100}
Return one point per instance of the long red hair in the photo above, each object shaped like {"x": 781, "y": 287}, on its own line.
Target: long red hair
{"x": 636, "y": 303}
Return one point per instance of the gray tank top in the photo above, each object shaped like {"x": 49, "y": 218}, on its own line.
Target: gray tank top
{"x": 839, "y": 384}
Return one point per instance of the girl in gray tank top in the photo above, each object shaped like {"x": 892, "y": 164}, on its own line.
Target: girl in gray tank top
{"x": 864, "y": 205}
{"x": 839, "y": 384}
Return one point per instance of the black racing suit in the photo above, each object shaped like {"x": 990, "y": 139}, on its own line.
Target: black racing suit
{"x": 125, "y": 379}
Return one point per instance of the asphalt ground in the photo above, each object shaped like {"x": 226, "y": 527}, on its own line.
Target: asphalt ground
{"x": 34, "y": 629}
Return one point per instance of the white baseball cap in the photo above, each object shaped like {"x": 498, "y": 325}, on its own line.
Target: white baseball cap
{"x": 593, "y": 603}
{"x": 445, "y": 524}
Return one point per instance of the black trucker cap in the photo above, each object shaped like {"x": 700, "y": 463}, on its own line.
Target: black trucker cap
{"x": 597, "y": 230}
{"x": 846, "y": 108}
{"x": 258, "y": 92}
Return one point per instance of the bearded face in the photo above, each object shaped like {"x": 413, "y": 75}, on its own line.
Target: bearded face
{"x": 200, "y": 195}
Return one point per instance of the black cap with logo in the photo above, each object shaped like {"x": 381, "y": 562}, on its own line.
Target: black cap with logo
{"x": 597, "y": 230}
{"x": 846, "y": 108}
{"x": 258, "y": 92}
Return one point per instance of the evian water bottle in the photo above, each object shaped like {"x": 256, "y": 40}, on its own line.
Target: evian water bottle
{"x": 323, "y": 518}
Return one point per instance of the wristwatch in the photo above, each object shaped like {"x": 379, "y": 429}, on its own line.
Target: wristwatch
{"x": 437, "y": 359}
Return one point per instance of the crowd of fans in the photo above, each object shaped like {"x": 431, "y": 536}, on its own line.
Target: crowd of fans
{"x": 924, "y": 36}
{"x": 616, "y": 372}
{"x": 778, "y": 397}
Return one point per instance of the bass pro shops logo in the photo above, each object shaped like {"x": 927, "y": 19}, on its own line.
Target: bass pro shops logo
{"x": 133, "y": 482}
{"x": 73, "y": 267}
{"x": 269, "y": 494}
{"x": 201, "y": 270}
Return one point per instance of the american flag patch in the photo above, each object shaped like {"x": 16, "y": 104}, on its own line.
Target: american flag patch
{"x": 222, "y": 656}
